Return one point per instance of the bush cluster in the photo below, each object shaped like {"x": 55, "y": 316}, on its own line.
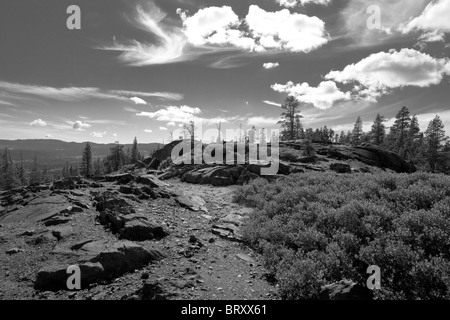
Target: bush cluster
{"x": 315, "y": 229}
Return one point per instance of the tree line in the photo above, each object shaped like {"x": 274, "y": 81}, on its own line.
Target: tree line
{"x": 14, "y": 173}
{"x": 429, "y": 150}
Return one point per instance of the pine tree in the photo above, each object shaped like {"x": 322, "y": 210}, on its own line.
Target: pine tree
{"x": 378, "y": 132}
{"x": 134, "y": 152}
{"x": 342, "y": 138}
{"x": 98, "y": 168}
{"x": 86, "y": 162}
{"x": 399, "y": 131}
{"x": 21, "y": 172}
{"x": 8, "y": 176}
{"x": 116, "y": 158}
{"x": 435, "y": 140}
{"x": 35, "y": 177}
{"x": 290, "y": 111}
{"x": 414, "y": 139}
{"x": 299, "y": 131}
{"x": 357, "y": 132}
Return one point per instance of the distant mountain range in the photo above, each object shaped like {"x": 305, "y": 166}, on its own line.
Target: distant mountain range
{"x": 56, "y": 152}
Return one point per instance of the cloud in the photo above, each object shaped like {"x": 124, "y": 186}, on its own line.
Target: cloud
{"x": 323, "y": 97}
{"x": 283, "y": 30}
{"x": 6, "y": 103}
{"x": 182, "y": 114}
{"x": 162, "y": 95}
{"x": 81, "y": 93}
{"x": 294, "y": 3}
{"x": 38, "y": 123}
{"x": 137, "y": 100}
{"x": 262, "y": 121}
{"x": 381, "y": 72}
{"x": 80, "y": 126}
{"x": 433, "y": 21}
{"x": 148, "y": 131}
{"x": 354, "y": 17}
{"x": 98, "y": 134}
{"x": 259, "y": 31}
{"x": 61, "y": 94}
{"x": 271, "y": 103}
{"x": 271, "y": 65}
{"x": 171, "y": 124}
{"x": 163, "y": 129}
{"x": 169, "y": 46}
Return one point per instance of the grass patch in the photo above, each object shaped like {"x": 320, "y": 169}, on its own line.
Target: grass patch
{"x": 315, "y": 229}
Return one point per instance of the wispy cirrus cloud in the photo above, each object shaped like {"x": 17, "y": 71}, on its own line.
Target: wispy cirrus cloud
{"x": 271, "y": 103}
{"x": 67, "y": 94}
{"x": 163, "y": 95}
{"x": 168, "y": 48}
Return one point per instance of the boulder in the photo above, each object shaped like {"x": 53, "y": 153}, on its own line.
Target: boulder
{"x": 151, "y": 181}
{"x": 227, "y": 231}
{"x": 65, "y": 184}
{"x": 141, "y": 230}
{"x": 14, "y": 251}
{"x": 123, "y": 178}
{"x": 126, "y": 190}
{"x": 341, "y": 167}
{"x": 345, "y": 290}
{"x": 133, "y": 226}
{"x": 191, "y": 202}
{"x": 56, "y": 221}
{"x": 62, "y": 232}
{"x": 154, "y": 164}
{"x": 54, "y": 277}
{"x": 125, "y": 256}
{"x": 98, "y": 260}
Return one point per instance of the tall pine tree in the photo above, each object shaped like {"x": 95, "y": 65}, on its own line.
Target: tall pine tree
{"x": 357, "y": 132}
{"x": 435, "y": 139}
{"x": 378, "y": 132}
{"x": 134, "y": 152}
{"x": 86, "y": 162}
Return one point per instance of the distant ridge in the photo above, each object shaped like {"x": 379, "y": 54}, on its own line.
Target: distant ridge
{"x": 55, "y": 152}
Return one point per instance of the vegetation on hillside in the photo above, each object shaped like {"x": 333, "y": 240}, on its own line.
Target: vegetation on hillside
{"x": 315, "y": 229}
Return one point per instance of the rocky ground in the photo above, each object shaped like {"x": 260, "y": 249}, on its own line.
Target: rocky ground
{"x": 142, "y": 239}
{"x": 149, "y": 234}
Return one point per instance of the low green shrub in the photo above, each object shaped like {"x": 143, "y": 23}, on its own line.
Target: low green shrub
{"x": 315, "y": 229}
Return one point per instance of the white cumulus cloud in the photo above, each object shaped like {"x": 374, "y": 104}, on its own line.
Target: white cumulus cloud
{"x": 381, "y": 72}
{"x": 434, "y": 21}
{"x": 80, "y": 126}
{"x": 324, "y": 96}
{"x": 38, "y": 123}
{"x": 271, "y": 65}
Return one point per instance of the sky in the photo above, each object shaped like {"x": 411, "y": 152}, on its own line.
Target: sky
{"x": 145, "y": 68}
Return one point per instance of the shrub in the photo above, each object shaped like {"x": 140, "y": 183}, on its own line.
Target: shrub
{"x": 315, "y": 229}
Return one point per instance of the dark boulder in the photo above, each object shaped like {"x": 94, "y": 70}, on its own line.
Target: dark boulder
{"x": 341, "y": 167}
{"x": 345, "y": 290}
